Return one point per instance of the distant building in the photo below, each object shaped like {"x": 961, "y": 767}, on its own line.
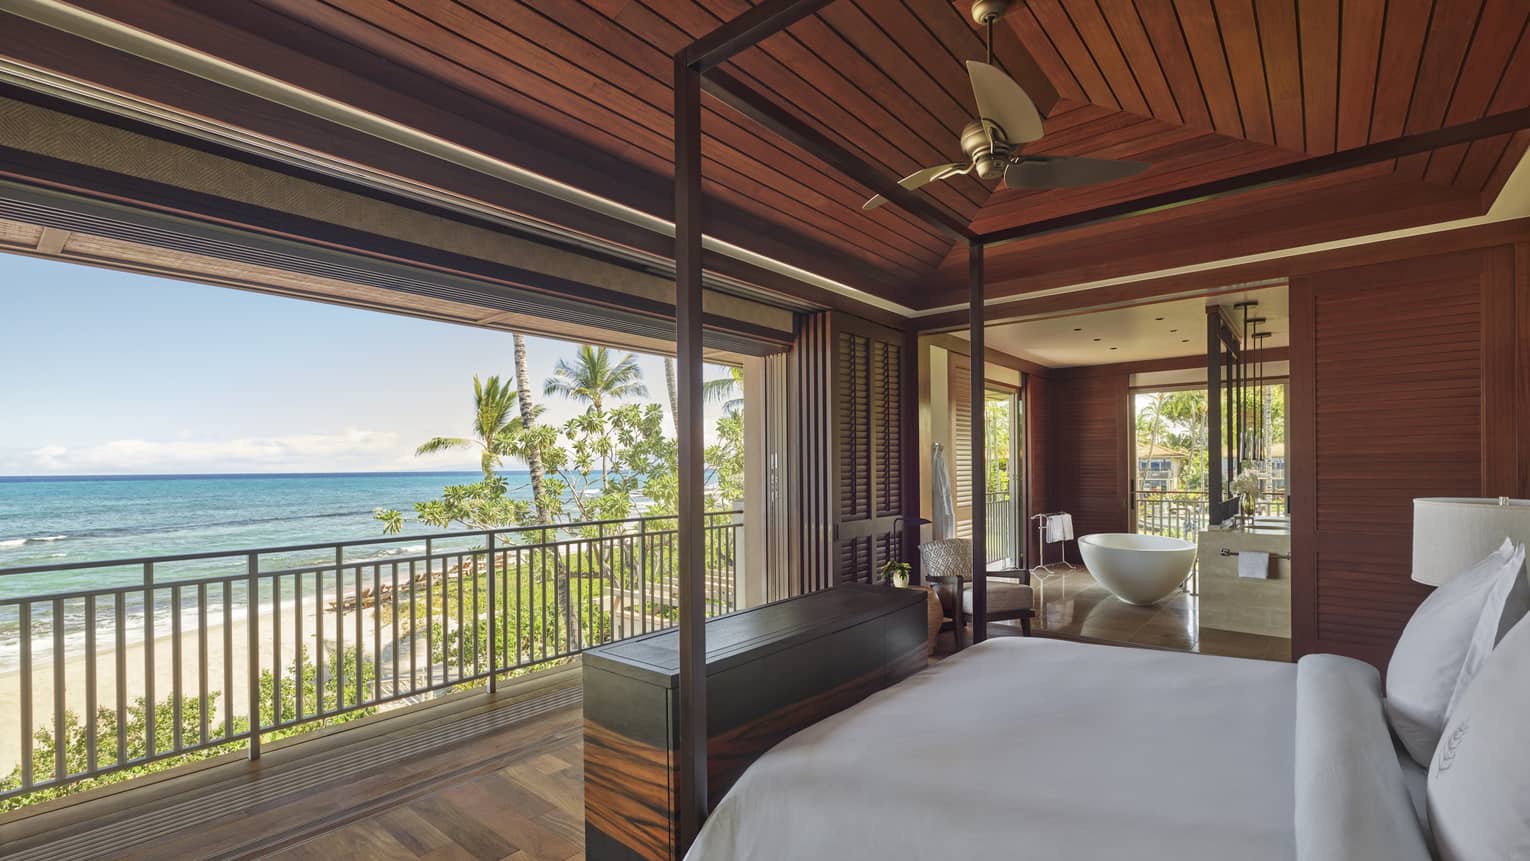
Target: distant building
{"x": 1159, "y": 467}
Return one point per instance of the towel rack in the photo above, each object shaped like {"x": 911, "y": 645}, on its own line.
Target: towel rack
{"x": 1226, "y": 552}
{"x": 1041, "y": 536}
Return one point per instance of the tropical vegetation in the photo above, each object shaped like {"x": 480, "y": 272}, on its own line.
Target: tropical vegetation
{"x": 590, "y": 476}
{"x": 321, "y": 692}
{"x": 1177, "y": 421}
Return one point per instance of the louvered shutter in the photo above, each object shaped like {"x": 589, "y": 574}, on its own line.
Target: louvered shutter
{"x": 868, "y": 441}
{"x": 960, "y": 387}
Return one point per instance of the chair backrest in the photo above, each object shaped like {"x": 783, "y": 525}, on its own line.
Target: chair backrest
{"x": 946, "y": 557}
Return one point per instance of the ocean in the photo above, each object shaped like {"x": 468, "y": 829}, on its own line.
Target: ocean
{"x": 69, "y": 520}
{"x": 66, "y": 521}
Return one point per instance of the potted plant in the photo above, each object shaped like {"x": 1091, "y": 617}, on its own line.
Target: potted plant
{"x": 896, "y": 573}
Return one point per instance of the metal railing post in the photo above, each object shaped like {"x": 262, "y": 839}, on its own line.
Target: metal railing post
{"x": 609, "y": 548}
{"x": 149, "y": 667}
{"x": 493, "y": 623}
{"x": 252, "y": 624}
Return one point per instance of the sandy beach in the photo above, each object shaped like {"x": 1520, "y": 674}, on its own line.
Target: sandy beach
{"x": 278, "y": 647}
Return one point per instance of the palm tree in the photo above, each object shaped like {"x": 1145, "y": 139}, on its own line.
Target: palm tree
{"x": 674, "y": 395}
{"x": 596, "y": 376}
{"x": 1152, "y": 412}
{"x": 534, "y": 465}
{"x": 724, "y": 389}
{"x": 727, "y": 389}
{"x": 528, "y": 415}
{"x": 494, "y": 406}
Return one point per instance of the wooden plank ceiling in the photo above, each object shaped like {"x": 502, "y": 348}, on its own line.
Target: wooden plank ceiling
{"x": 1202, "y": 89}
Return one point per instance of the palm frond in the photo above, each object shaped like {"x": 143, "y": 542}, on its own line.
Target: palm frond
{"x": 718, "y": 390}
{"x": 442, "y": 443}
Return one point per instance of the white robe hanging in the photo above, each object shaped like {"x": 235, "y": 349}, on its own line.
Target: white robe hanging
{"x": 944, "y": 520}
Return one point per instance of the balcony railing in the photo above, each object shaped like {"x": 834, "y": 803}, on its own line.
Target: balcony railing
{"x": 1003, "y": 525}
{"x": 1185, "y": 513}
{"x": 165, "y": 656}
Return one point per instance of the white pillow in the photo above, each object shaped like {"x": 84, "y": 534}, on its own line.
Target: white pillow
{"x": 1424, "y": 667}
{"x": 1508, "y": 601}
{"x": 1479, "y": 782}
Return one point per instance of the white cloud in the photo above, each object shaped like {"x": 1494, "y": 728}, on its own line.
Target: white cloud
{"x": 347, "y": 451}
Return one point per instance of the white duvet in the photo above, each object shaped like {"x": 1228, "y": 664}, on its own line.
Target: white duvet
{"x": 1033, "y": 748}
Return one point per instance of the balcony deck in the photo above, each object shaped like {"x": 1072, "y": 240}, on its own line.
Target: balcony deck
{"x": 477, "y": 776}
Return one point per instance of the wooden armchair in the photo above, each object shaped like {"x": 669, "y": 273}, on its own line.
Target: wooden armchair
{"x": 947, "y": 566}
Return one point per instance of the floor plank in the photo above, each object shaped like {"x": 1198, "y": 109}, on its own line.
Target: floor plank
{"x": 528, "y": 807}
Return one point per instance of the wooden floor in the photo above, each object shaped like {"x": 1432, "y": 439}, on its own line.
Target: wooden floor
{"x": 515, "y": 791}
{"x": 526, "y": 804}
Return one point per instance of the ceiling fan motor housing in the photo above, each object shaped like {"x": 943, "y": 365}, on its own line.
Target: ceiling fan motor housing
{"x": 989, "y": 158}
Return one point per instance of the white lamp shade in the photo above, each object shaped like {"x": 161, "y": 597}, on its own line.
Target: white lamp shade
{"x": 1452, "y": 534}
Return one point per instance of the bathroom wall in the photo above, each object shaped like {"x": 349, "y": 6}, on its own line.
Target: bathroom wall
{"x": 1409, "y": 378}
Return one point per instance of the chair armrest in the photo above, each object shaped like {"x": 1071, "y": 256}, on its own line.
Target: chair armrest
{"x": 1021, "y": 574}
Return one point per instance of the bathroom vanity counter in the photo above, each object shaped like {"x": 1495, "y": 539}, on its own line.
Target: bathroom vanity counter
{"x": 1232, "y": 603}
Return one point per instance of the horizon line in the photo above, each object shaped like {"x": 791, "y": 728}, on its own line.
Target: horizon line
{"x": 300, "y": 474}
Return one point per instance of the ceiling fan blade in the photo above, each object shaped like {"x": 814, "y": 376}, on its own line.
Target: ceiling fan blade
{"x": 1003, "y": 102}
{"x": 920, "y": 177}
{"x": 1060, "y": 172}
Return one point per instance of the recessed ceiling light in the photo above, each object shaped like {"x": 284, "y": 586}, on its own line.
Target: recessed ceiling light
{"x": 1077, "y": 329}
{"x": 1172, "y": 331}
{"x": 1097, "y": 339}
{"x": 1184, "y": 340}
{"x": 1159, "y": 319}
{"x": 1112, "y": 348}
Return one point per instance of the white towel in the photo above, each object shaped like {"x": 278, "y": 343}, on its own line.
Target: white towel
{"x": 1253, "y": 565}
{"x": 1059, "y": 528}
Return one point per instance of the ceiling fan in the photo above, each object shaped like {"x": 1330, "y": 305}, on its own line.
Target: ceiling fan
{"x": 1007, "y": 119}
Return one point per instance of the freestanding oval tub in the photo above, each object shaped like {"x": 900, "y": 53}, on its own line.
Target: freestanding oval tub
{"x": 1138, "y": 569}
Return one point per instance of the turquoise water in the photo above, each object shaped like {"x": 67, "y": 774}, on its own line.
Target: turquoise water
{"x": 67, "y": 521}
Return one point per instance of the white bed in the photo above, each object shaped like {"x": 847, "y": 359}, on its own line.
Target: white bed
{"x": 1043, "y": 748}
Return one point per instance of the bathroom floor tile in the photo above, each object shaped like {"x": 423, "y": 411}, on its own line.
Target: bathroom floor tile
{"x": 1071, "y": 605}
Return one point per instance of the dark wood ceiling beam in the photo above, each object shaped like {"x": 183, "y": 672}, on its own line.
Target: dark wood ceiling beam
{"x": 1209, "y": 282}
{"x": 747, "y": 30}
{"x": 730, "y": 91}
{"x": 854, "y": 104}
{"x": 1496, "y": 124}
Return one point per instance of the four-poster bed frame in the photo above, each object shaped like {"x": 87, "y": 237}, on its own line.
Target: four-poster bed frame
{"x": 696, "y": 70}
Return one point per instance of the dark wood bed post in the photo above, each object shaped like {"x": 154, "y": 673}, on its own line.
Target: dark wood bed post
{"x": 691, "y": 65}
{"x": 979, "y": 440}
{"x": 913, "y": 502}
{"x": 689, "y": 438}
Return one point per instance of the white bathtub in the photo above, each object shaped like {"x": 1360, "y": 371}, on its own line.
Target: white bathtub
{"x": 1138, "y": 569}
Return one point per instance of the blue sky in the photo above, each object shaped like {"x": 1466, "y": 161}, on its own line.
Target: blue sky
{"x": 107, "y": 372}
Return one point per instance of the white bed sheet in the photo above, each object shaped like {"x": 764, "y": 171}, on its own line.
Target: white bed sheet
{"x": 1034, "y": 748}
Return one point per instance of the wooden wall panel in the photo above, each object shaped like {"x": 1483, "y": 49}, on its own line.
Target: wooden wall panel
{"x": 1406, "y": 382}
{"x": 809, "y": 464}
{"x": 1038, "y": 456}
{"x": 1088, "y": 449}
